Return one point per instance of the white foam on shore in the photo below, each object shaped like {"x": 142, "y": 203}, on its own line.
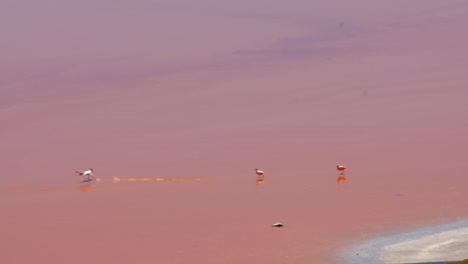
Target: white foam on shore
{"x": 446, "y": 242}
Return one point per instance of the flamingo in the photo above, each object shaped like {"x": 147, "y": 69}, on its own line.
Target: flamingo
{"x": 259, "y": 172}
{"x": 341, "y": 168}
{"x": 88, "y": 173}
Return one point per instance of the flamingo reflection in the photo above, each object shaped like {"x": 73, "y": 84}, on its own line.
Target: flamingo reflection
{"x": 341, "y": 179}
{"x": 86, "y": 187}
{"x": 259, "y": 181}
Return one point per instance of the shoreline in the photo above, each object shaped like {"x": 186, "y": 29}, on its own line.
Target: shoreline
{"x": 433, "y": 244}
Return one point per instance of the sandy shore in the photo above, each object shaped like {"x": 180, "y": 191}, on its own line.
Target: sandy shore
{"x": 437, "y": 244}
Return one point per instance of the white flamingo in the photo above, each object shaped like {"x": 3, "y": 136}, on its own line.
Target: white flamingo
{"x": 89, "y": 173}
{"x": 260, "y": 173}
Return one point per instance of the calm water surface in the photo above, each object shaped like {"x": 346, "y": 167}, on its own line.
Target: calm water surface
{"x": 160, "y": 94}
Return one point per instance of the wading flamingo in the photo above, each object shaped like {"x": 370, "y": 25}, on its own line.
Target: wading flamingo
{"x": 259, "y": 172}
{"x": 341, "y": 169}
{"x": 89, "y": 173}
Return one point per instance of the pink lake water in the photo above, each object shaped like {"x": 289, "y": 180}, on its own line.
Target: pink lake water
{"x": 181, "y": 101}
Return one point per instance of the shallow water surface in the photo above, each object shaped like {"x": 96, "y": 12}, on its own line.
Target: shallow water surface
{"x": 199, "y": 95}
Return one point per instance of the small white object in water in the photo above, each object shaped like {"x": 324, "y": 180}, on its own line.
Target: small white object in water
{"x": 277, "y": 225}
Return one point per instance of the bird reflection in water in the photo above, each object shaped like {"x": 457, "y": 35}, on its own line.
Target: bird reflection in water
{"x": 341, "y": 179}
{"x": 259, "y": 181}
{"x": 86, "y": 187}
